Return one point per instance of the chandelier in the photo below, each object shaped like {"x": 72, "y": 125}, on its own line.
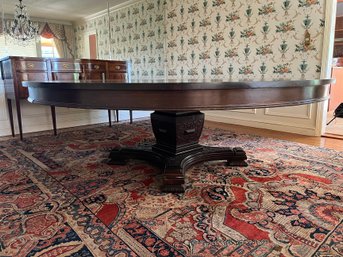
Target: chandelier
{"x": 22, "y": 28}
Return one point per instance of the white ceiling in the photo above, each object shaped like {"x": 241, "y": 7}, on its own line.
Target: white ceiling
{"x": 67, "y": 10}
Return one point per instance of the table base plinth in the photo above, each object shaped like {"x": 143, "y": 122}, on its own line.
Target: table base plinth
{"x": 177, "y": 135}
{"x": 174, "y": 167}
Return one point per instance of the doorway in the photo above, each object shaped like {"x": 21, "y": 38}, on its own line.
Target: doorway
{"x": 335, "y": 125}
{"x": 92, "y": 46}
{"x": 90, "y": 50}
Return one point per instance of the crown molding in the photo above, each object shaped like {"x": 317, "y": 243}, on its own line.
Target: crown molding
{"x": 105, "y": 12}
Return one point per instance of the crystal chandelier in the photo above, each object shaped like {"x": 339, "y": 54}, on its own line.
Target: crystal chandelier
{"x": 22, "y": 28}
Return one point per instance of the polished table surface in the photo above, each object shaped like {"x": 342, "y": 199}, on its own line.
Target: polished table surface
{"x": 177, "y": 121}
{"x": 161, "y": 95}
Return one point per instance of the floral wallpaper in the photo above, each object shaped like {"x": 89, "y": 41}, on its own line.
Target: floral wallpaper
{"x": 137, "y": 35}
{"x": 215, "y": 39}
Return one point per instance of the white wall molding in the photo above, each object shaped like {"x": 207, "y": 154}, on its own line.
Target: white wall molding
{"x": 71, "y": 119}
{"x": 251, "y": 111}
{"x": 306, "y": 114}
{"x": 258, "y": 122}
{"x": 261, "y": 117}
{"x": 38, "y": 118}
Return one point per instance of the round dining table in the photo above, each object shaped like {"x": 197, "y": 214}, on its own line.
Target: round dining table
{"x": 177, "y": 120}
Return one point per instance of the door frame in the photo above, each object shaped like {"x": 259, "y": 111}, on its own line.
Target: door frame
{"x": 327, "y": 57}
{"x": 86, "y": 51}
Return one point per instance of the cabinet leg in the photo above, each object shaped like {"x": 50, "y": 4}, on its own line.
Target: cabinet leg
{"x": 53, "y": 116}
{"x": 130, "y": 116}
{"x": 10, "y": 113}
{"x": 117, "y": 115}
{"x": 109, "y": 118}
{"x": 17, "y": 102}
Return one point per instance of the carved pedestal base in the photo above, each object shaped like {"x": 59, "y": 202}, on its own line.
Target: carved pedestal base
{"x": 176, "y": 149}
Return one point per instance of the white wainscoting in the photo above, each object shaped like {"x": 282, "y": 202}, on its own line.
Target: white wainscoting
{"x": 4, "y": 122}
{"x": 38, "y": 118}
{"x": 297, "y": 119}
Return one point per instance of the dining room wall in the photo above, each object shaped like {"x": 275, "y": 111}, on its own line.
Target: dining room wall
{"x": 245, "y": 40}
{"x": 222, "y": 40}
{"x": 236, "y": 39}
{"x": 137, "y": 33}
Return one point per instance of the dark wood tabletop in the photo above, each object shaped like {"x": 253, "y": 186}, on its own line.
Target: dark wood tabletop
{"x": 177, "y": 95}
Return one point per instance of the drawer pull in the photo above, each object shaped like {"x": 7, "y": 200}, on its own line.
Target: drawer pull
{"x": 96, "y": 67}
{"x": 30, "y": 65}
{"x": 117, "y": 67}
{"x": 65, "y": 66}
{"x": 189, "y": 131}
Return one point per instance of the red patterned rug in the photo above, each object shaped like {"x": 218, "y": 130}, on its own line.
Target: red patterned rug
{"x": 58, "y": 197}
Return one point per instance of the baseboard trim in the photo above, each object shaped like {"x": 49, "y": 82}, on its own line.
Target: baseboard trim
{"x": 329, "y": 135}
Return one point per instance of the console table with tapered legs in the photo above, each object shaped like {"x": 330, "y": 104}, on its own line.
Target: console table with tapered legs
{"x": 16, "y": 69}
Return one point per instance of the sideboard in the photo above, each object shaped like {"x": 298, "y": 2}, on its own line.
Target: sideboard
{"x": 15, "y": 69}
{"x": 94, "y": 69}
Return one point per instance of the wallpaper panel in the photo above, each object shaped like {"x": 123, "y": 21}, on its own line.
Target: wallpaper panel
{"x": 217, "y": 39}
{"x": 238, "y": 40}
{"x": 137, "y": 35}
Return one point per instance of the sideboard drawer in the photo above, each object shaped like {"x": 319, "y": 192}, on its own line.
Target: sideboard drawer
{"x": 66, "y": 76}
{"x": 26, "y": 65}
{"x": 33, "y": 76}
{"x": 65, "y": 66}
{"x": 117, "y": 67}
{"x": 94, "y": 75}
{"x": 97, "y": 66}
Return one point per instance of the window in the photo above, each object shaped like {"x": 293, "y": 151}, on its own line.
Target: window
{"x": 48, "y": 48}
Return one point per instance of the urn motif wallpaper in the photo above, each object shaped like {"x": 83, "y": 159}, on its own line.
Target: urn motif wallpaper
{"x": 215, "y": 39}
{"x": 137, "y": 35}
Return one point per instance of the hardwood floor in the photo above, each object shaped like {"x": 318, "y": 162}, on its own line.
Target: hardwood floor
{"x": 335, "y": 128}
{"x": 331, "y": 143}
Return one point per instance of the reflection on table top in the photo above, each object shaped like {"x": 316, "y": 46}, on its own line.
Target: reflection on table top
{"x": 177, "y": 84}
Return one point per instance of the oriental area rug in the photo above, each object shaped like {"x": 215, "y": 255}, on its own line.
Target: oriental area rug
{"x": 59, "y": 197}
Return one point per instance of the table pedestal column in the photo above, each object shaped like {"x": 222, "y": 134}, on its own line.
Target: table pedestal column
{"x": 177, "y": 148}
